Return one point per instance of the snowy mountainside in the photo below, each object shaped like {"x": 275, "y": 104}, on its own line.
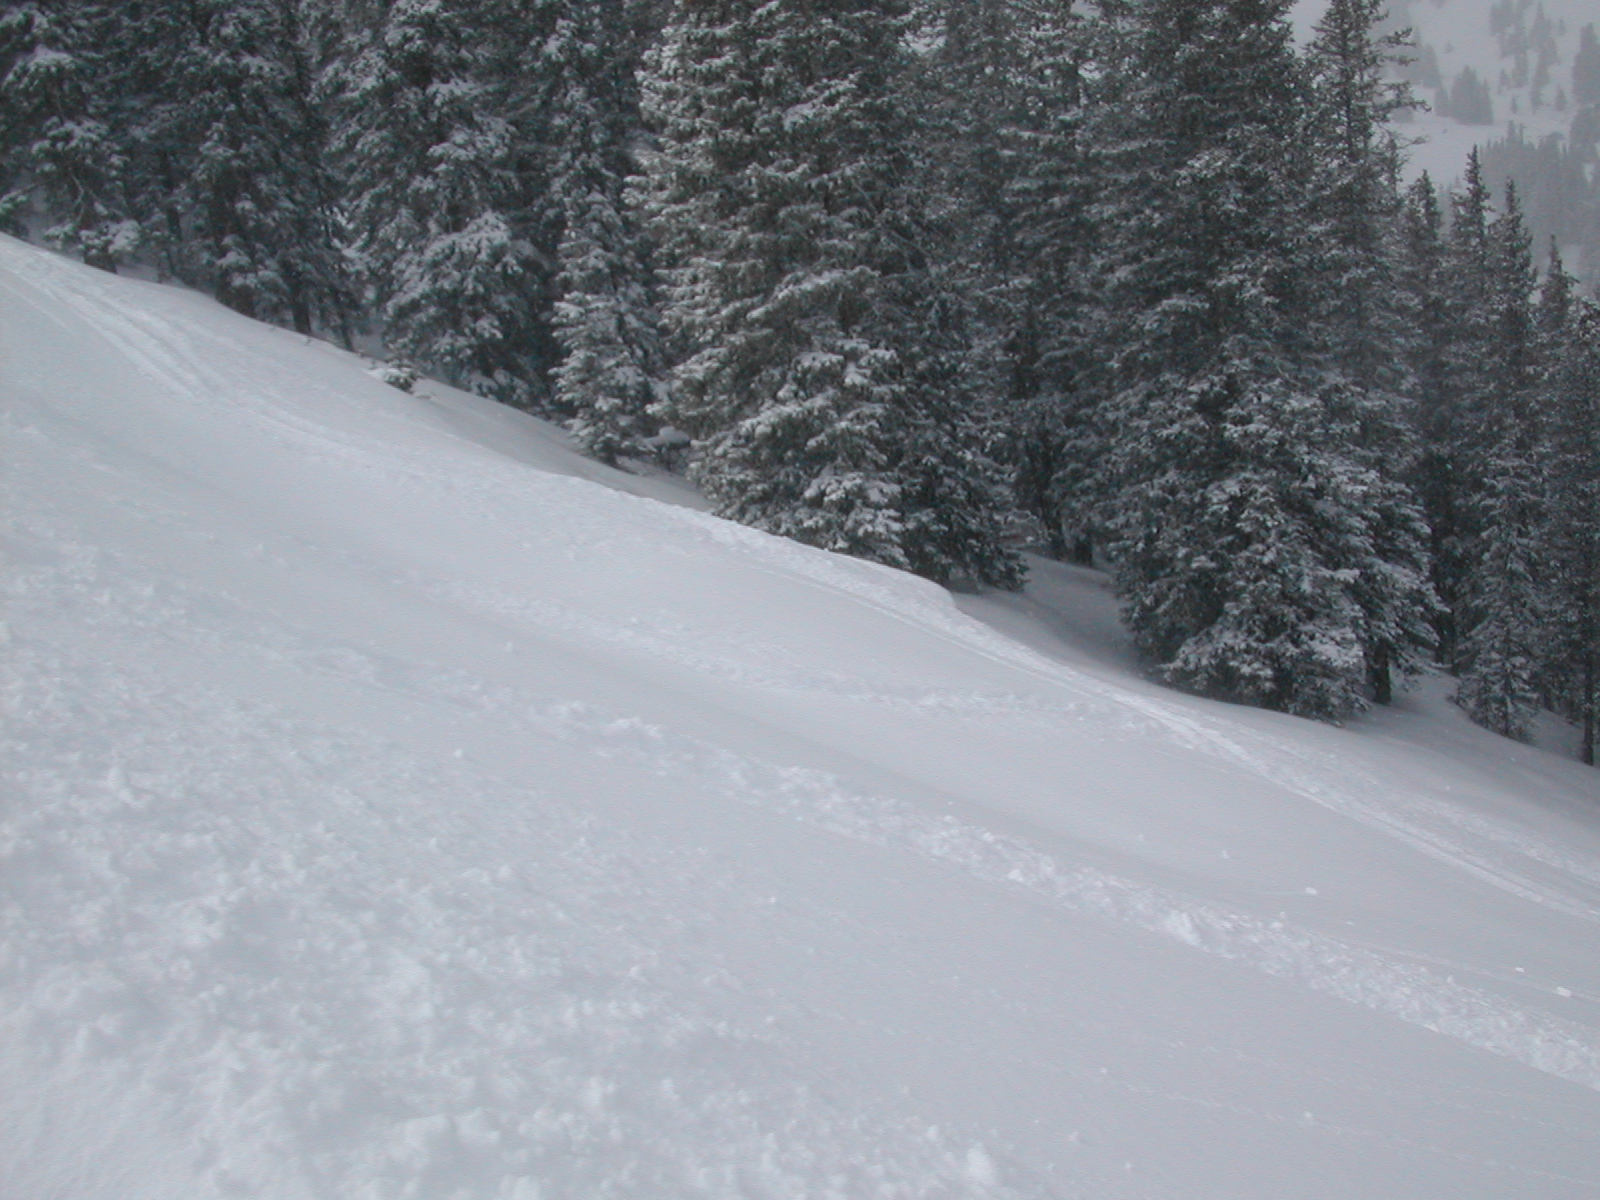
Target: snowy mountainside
{"x": 1487, "y": 37}
{"x": 1510, "y": 79}
{"x": 399, "y": 805}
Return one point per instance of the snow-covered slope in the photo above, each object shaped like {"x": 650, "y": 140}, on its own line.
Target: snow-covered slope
{"x": 1456, "y": 35}
{"x": 396, "y": 806}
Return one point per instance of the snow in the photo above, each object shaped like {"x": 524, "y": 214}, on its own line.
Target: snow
{"x": 398, "y": 805}
{"x": 1460, "y": 36}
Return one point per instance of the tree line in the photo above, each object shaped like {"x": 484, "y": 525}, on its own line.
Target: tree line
{"x": 922, "y": 281}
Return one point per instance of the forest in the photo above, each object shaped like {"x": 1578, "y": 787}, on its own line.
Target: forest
{"x": 929, "y": 282}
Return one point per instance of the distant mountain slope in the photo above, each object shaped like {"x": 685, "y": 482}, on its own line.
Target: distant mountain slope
{"x": 1511, "y": 78}
{"x": 396, "y": 806}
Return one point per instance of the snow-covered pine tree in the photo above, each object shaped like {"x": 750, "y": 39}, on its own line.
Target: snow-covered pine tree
{"x": 1557, "y": 294}
{"x": 1435, "y": 474}
{"x": 1241, "y": 502}
{"x": 1470, "y": 273}
{"x": 606, "y": 319}
{"x": 1354, "y": 200}
{"x": 1570, "y": 547}
{"x": 1501, "y": 612}
{"x": 1453, "y": 349}
{"x": 614, "y": 366}
{"x": 1055, "y": 374}
{"x": 997, "y": 101}
{"x": 954, "y": 502}
{"x": 822, "y": 374}
{"x": 1354, "y": 209}
{"x": 449, "y": 214}
{"x": 232, "y": 170}
{"x": 964, "y": 84}
{"x": 59, "y": 147}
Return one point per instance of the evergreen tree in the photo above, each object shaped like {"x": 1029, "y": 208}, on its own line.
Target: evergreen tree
{"x": 232, "y": 166}
{"x": 1501, "y": 611}
{"x": 1355, "y": 209}
{"x": 1056, "y": 375}
{"x": 611, "y": 376}
{"x": 1570, "y": 563}
{"x": 1000, "y": 110}
{"x": 59, "y": 147}
{"x": 1554, "y": 309}
{"x": 822, "y": 371}
{"x": 1426, "y": 342}
{"x": 1353, "y": 195}
{"x": 1456, "y": 344}
{"x": 1586, "y": 68}
{"x": 1242, "y": 507}
{"x": 605, "y": 319}
{"x": 449, "y": 211}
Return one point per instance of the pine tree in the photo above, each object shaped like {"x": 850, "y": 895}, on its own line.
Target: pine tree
{"x": 1426, "y": 342}
{"x": 999, "y": 104}
{"x": 1501, "y": 603}
{"x": 59, "y": 147}
{"x": 1570, "y": 547}
{"x": 1242, "y": 515}
{"x": 1354, "y": 198}
{"x": 606, "y": 319}
{"x": 611, "y": 376}
{"x": 1586, "y": 68}
{"x": 1355, "y": 209}
{"x": 448, "y": 209}
{"x": 1057, "y": 377}
{"x": 232, "y": 169}
{"x": 1453, "y": 349}
{"x": 1554, "y": 310}
{"x": 822, "y": 377}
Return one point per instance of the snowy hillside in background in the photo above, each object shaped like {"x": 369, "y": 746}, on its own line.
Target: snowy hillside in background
{"x": 395, "y": 806}
{"x": 1455, "y": 35}
{"x": 1523, "y": 52}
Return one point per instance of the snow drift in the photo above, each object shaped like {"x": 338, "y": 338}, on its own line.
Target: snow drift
{"x": 398, "y": 804}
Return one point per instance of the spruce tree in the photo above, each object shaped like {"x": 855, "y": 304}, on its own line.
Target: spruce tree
{"x": 1354, "y": 206}
{"x": 1435, "y": 474}
{"x": 232, "y": 169}
{"x": 1500, "y": 614}
{"x": 1570, "y": 560}
{"x": 1454, "y": 346}
{"x": 1353, "y": 198}
{"x": 1554, "y": 309}
{"x": 611, "y": 376}
{"x": 60, "y": 147}
{"x": 1055, "y": 372}
{"x": 1000, "y": 109}
{"x": 605, "y": 319}
{"x": 448, "y": 209}
{"x": 822, "y": 374}
{"x": 1243, "y": 517}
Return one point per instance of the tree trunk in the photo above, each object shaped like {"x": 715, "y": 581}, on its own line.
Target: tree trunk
{"x": 1586, "y": 750}
{"x": 1083, "y": 550}
{"x": 1378, "y": 672}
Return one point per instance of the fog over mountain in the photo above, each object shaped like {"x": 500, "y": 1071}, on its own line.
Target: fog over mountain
{"x": 1519, "y": 80}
